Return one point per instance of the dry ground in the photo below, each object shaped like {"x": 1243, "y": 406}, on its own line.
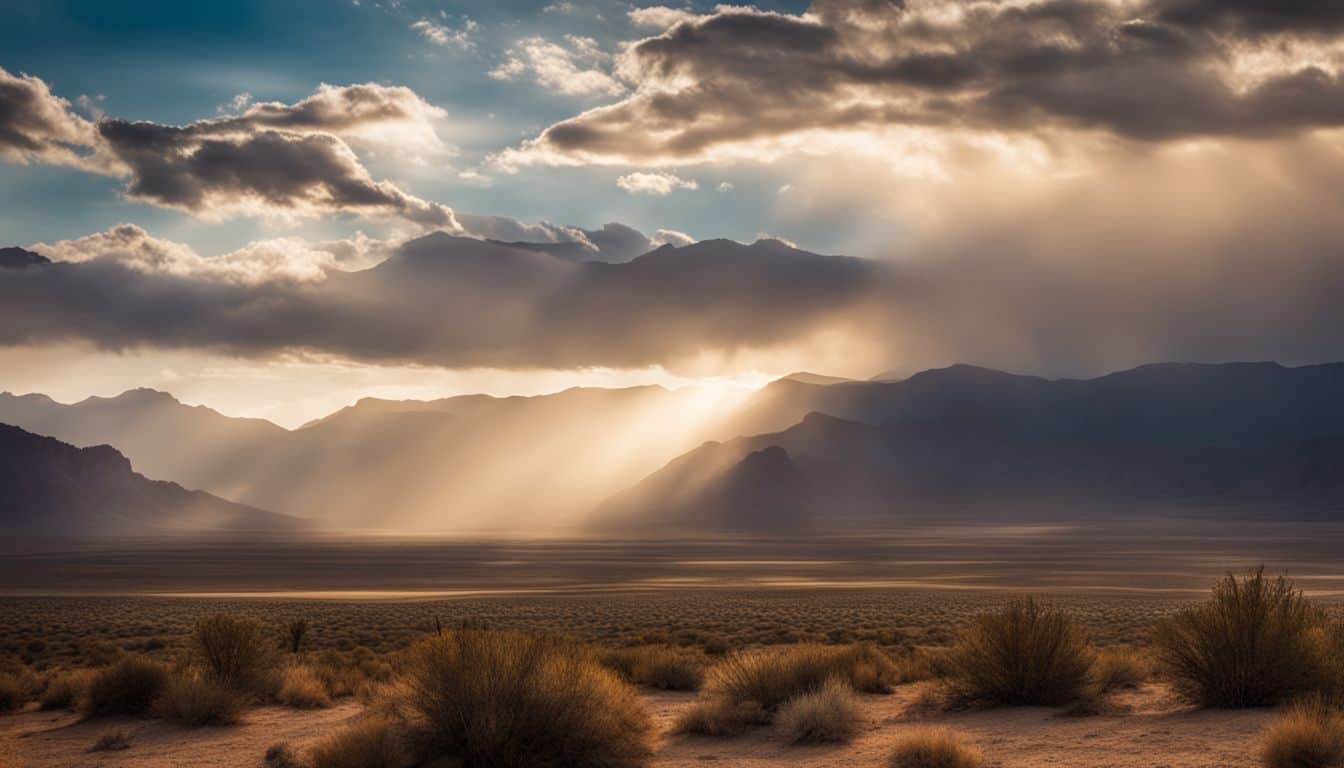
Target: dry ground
{"x": 1151, "y": 730}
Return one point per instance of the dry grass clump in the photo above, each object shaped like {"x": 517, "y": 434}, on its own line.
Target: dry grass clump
{"x": 772, "y": 677}
{"x": 373, "y": 742}
{"x": 922, "y": 663}
{"x": 128, "y": 687}
{"x": 1255, "y": 642}
{"x": 235, "y": 651}
{"x": 64, "y": 689}
{"x": 13, "y": 692}
{"x": 112, "y": 741}
{"x": 281, "y": 755}
{"x": 1120, "y": 668}
{"x": 933, "y": 748}
{"x": 655, "y": 666}
{"x": 827, "y": 715}
{"x": 508, "y": 699}
{"x": 194, "y": 699}
{"x": 1310, "y": 735}
{"x": 301, "y": 688}
{"x": 1025, "y": 654}
{"x": 719, "y": 716}
{"x": 748, "y": 687}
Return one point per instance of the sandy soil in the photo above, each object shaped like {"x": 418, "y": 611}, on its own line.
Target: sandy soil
{"x": 41, "y": 739}
{"x": 1148, "y": 730}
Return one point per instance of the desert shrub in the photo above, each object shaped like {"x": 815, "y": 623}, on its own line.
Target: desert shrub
{"x": 1256, "y": 641}
{"x": 234, "y": 651}
{"x": 660, "y": 667}
{"x": 772, "y": 677}
{"x": 1025, "y": 654}
{"x": 923, "y": 663}
{"x": 826, "y": 715}
{"x": 193, "y": 699}
{"x": 718, "y": 716}
{"x": 128, "y": 687}
{"x": 295, "y": 632}
{"x": 1310, "y": 735}
{"x": 373, "y": 742}
{"x": 281, "y": 755}
{"x": 301, "y": 688}
{"x": 13, "y": 692}
{"x": 508, "y": 699}
{"x": 112, "y": 741}
{"x": 64, "y": 689}
{"x": 933, "y": 748}
{"x": 1117, "y": 668}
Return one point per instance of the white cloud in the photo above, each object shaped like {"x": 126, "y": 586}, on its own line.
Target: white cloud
{"x": 725, "y": 186}
{"x": 462, "y": 38}
{"x": 285, "y": 260}
{"x": 659, "y": 17}
{"x": 671, "y": 237}
{"x": 576, "y": 68}
{"x": 654, "y": 183}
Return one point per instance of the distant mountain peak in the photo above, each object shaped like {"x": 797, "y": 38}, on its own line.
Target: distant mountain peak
{"x": 14, "y": 257}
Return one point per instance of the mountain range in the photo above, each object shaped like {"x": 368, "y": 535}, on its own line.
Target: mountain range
{"x": 802, "y": 451}
{"x": 50, "y": 487}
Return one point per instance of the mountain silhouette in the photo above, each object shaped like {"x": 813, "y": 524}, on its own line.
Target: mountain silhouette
{"x": 50, "y": 487}
{"x": 1259, "y": 438}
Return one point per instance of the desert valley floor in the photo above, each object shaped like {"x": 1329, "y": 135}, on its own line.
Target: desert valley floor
{"x": 66, "y": 603}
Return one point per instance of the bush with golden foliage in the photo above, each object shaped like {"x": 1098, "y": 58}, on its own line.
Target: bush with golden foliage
{"x": 827, "y": 715}
{"x": 128, "y": 687}
{"x": 193, "y": 699}
{"x": 747, "y": 687}
{"x": 13, "y": 692}
{"x": 1025, "y": 654}
{"x": 1255, "y": 642}
{"x": 373, "y": 742}
{"x": 235, "y": 651}
{"x": 933, "y": 748}
{"x": 1309, "y": 735}
{"x": 64, "y": 689}
{"x": 509, "y": 699}
{"x": 1120, "y": 668}
{"x": 657, "y": 666}
{"x": 301, "y": 688}
{"x": 771, "y": 677}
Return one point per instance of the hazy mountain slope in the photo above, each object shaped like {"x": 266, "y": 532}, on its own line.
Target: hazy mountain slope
{"x": 51, "y": 487}
{"x": 471, "y": 461}
{"x": 1246, "y": 434}
{"x": 192, "y": 445}
{"x": 714, "y": 488}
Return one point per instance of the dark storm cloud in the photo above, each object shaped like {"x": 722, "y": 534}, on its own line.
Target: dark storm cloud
{"x": 199, "y": 171}
{"x": 1151, "y": 72}
{"x": 449, "y": 301}
{"x": 271, "y": 159}
{"x": 36, "y": 125}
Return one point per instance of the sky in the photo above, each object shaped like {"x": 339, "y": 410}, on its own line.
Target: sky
{"x": 235, "y": 196}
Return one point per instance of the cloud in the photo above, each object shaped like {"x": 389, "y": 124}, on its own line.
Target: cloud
{"x": 38, "y": 126}
{"x": 462, "y": 38}
{"x": 576, "y": 68}
{"x": 614, "y": 242}
{"x": 659, "y": 17}
{"x": 742, "y": 82}
{"x": 659, "y": 184}
{"x": 219, "y": 173}
{"x": 279, "y": 260}
{"x": 269, "y": 159}
{"x": 440, "y": 300}
{"x": 672, "y": 237}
